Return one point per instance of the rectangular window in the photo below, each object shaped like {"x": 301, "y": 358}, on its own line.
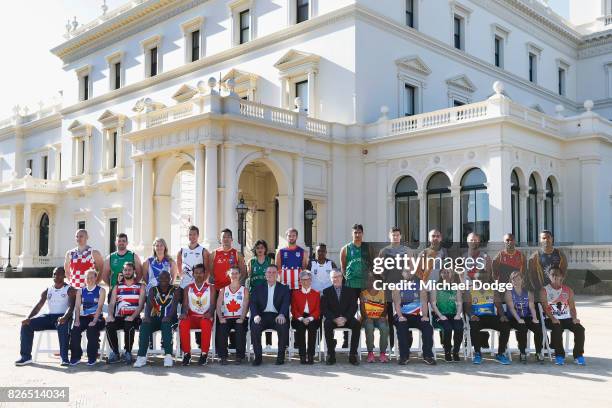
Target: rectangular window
{"x": 409, "y": 100}
{"x": 112, "y": 236}
{"x": 45, "y": 167}
{"x": 195, "y": 45}
{"x": 117, "y": 69}
{"x": 82, "y": 158}
{"x": 245, "y": 26}
{"x": 498, "y": 52}
{"x": 301, "y": 91}
{"x": 114, "y": 161}
{"x": 302, "y": 11}
{"x": 561, "y": 81}
{"x": 458, "y": 32}
{"x": 30, "y": 165}
{"x": 410, "y": 13}
{"x": 533, "y": 67}
{"x": 153, "y": 57}
{"x": 85, "y": 87}
{"x": 81, "y": 225}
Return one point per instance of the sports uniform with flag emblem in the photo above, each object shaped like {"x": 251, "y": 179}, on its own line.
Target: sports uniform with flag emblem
{"x": 80, "y": 263}
{"x": 291, "y": 266}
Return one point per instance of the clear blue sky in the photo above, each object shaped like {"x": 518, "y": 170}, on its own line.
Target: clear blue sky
{"x": 30, "y": 28}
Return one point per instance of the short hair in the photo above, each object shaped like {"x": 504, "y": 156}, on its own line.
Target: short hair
{"x": 82, "y": 230}
{"x": 290, "y": 230}
{"x": 556, "y": 271}
{"x": 547, "y": 232}
{"x": 59, "y": 269}
{"x": 229, "y": 231}
{"x": 305, "y": 273}
{"x": 94, "y": 270}
{"x": 514, "y": 274}
{"x": 395, "y": 229}
{"x": 322, "y": 245}
{"x": 233, "y": 268}
{"x": 272, "y": 266}
{"x": 510, "y": 235}
{"x": 199, "y": 266}
{"x": 434, "y": 231}
{"x": 121, "y": 235}
{"x": 258, "y": 243}
{"x": 130, "y": 264}
{"x": 194, "y": 228}
{"x": 335, "y": 271}
{"x": 357, "y": 227}
{"x": 473, "y": 234}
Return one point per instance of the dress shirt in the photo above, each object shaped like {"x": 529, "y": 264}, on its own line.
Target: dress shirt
{"x": 270, "y": 305}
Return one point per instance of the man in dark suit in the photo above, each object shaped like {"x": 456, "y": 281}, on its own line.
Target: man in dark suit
{"x": 339, "y": 305}
{"x": 269, "y": 307}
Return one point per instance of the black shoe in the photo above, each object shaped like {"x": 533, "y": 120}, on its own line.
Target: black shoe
{"x": 353, "y": 360}
{"x": 429, "y": 361}
{"x": 187, "y": 359}
{"x": 448, "y": 358}
{"x": 256, "y": 362}
{"x": 403, "y": 361}
{"x": 331, "y": 359}
{"x": 203, "y": 359}
{"x": 302, "y": 359}
{"x": 23, "y": 361}
{"x": 280, "y": 361}
{"x": 238, "y": 361}
{"x": 456, "y": 357}
{"x": 223, "y": 360}
{"x": 523, "y": 358}
{"x": 309, "y": 359}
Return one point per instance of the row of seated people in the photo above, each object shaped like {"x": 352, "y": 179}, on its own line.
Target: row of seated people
{"x": 270, "y": 306}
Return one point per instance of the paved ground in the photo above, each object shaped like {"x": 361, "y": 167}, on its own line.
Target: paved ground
{"x": 457, "y": 384}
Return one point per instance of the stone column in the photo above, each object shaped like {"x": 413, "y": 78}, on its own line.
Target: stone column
{"x": 523, "y": 194}
{"x": 592, "y": 204}
{"x": 541, "y": 197}
{"x": 456, "y": 194}
{"x": 381, "y": 201}
{"x": 14, "y": 241}
{"x": 231, "y": 189}
{"x": 56, "y": 234}
{"x": 27, "y": 230}
{"x": 136, "y": 201}
{"x": 199, "y": 186}
{"x": 312, "y": 107}
{"x": 147, "y": 202}
{"x": 163, "y": 207}
{"x": 210, "y": 195}
{"x": 298, "y": 197}
{"x": 422, "y": 194}
{"x": 500, "y": 207}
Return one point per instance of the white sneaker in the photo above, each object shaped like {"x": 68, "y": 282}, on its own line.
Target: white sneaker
{"x": 168, "y": 360}
{"x": 140, "y": 362}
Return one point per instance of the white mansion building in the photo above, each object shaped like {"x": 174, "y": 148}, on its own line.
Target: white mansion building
{"x": 465, "y": 115}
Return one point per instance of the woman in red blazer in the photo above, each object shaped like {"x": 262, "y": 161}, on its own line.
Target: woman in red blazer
{"x": 305, "y": 316}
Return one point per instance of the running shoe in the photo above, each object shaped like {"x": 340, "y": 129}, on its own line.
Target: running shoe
{"x": 140, "y": 362}
{"x": 523, "y": 358}
{"x": 65, "y": 363}
{"x": 384, "y": 358}
{"x": 75, "y": 363}
{"x": 203, "y": 359}
{"x": 128, "y": 358}
{"x": 23, "y": 361}
{"x": 503, "y": 359}
{"x": 371, "y": 357}
{"x": 580, "y": 360}
{"x": 112, "y": 358}
{"x": 429, "y": 361}
{"x": 448, "y": 357}
{"x": 456, "y": 357}
{"x": 539, "y": 358}
{"x": 477, "y": 358}
{"x": 559, "y": 360}
{"x": 168, "y": 360}
{"x": 91, "y": 363}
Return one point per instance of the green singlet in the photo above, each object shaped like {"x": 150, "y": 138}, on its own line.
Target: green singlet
{"x": 258, "y": 273}
{"x": 116, "y": 265}
{"x": 446, "y": 302}
{"x": 354, "y": 266}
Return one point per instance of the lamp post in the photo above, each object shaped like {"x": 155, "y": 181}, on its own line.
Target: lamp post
{"x": 241, "y": 210}
{"x": 10, "y": 237}
{"x": 311, "y": 215}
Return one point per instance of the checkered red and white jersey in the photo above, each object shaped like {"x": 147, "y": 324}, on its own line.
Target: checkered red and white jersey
{"x": 80, "y": 263}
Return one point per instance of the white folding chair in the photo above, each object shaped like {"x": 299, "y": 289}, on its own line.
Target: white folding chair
{"x": 291, "y": 350}
{"x": 48, "y": 349}
{"x": 343, "y": 349}
{"x": 413, "y": 349}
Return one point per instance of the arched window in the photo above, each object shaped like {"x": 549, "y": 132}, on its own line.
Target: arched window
{"x": 474, "y": 205}
{"x": 532, "y": 211}
{"x": 407, "y": 209}
{"x": 43, "y": 235}
{"x": 549, "y": 207}
{"x": 515, "y": 201}
{"x": 440, "y": 206}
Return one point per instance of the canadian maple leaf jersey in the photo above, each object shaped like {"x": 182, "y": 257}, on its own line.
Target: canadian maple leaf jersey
{"x": 233, "y": 302}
